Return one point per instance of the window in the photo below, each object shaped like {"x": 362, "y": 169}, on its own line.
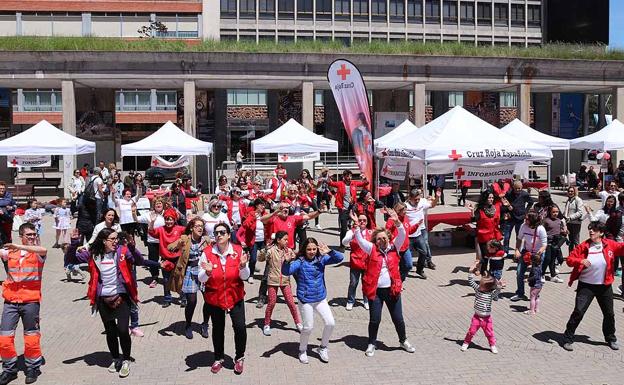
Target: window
{"x": 456, "y": 99}
{"x": 397, "y": 10}
{"x": 341, "y": 9}
{"x": 41, "y": 101}
{"x": 228, "y": 8}
{"x": 517, "y": 14}
{"x": 166, "y": 100}
{"x": 484, "y": 13}
{"x": 247, "y": 9}
{"x": 266, "y": 9}
{"x": 323, "y": 9}
{"x": 414, "y": 10}
{"x": 466, "y": 13}
{"x": 246, "y": 97}
{"x": 427, "y": 98}
{"x": 534, "y": 15}
{"x": 286, "y": 9}
{"x": 508, "y": 99}
{"x": 136, "y": 100}
{"x": 432, "y": 11}
{"x": 501, "y": 14}
{"x": 360, "y": 9}
{"x": 378, "y": 9}
{"x": 304, "y": 9}
{"x": 318, "y": 98}
{"x": 450, "y": 12}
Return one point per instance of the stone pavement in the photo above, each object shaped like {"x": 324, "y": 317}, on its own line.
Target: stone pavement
{"x": 437, "y": 313}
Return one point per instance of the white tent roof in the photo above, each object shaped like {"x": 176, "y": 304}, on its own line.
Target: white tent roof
{"x": 520, "y": 130}
{"x": 400, "y": 130}
{"x": 292, "y": 137}
{"x": 458, "y": 134}
{"x": 167, "y": 140}
{"x": 45, "y": 139}
{"x": 611, "y": 137}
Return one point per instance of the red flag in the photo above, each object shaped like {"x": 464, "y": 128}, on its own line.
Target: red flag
{"x": 352, "y": 100}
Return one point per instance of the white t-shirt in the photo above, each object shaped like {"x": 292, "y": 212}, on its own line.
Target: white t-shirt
{"x": 97, "y": 182}
{"x": 159, "y": 222}
{"x": 125, "y": 211}
{"x": 99, "y": 227}
{"x": 108, "y": 274}
{"x": 259, "y": 231}
{"x": 594, "y": 274}
{"x": 417, "y": 213}
{"x": 384, "y": 276}
{"x": 211, "y": 222}
{"x": 526, "y": 233}
{"x": 236, "y": 212}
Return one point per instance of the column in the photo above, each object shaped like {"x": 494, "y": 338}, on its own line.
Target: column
{"x": 190, "y": 121}
{"x": 618, "y": 113}
{"x": 69, "y": 126}
{"x": 419, "y": 104}
{"x": 523, "y": 92}
{"x": 211, "y": 20}
{"x": 307, "y": 114}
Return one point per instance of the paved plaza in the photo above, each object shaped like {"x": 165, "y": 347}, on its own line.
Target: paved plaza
{"x": 437, "y": 313}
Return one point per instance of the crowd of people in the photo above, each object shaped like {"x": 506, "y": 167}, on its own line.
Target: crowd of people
{"x": 213, "y": 250}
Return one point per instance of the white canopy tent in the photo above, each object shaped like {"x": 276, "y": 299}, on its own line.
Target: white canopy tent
{"x": 45, "y": 139}
{"x": 518, "y": 129}
{"x": 169, "y": 140}
{"x": 402, "y": 129}
{"x": 292, "y": 137}
{"x": 611, "y": 137}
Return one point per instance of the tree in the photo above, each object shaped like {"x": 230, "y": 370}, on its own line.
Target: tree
{"x": 152, "y": 30}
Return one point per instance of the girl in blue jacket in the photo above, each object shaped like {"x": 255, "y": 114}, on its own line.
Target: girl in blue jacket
{"x": 309, "y": 272}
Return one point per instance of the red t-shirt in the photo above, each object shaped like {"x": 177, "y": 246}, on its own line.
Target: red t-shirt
{"x": 288, "y": 225}
{"x": 166, "y": 237}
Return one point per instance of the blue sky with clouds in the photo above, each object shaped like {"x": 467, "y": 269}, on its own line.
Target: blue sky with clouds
{"x": 616, "y": 24}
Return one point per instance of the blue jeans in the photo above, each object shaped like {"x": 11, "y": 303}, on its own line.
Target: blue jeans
{"x": 425, "y": 234}
{"x": 354, "y": 279}
{"x": 520, "y": 271}
{"x": 406, "y": 263}
{"x": 419, "y": 245}
{"x": 396, "y": 313}
{"x": 506, "y": 228}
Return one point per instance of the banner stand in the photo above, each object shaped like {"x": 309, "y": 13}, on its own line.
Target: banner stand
{"x": 376, "y": 177}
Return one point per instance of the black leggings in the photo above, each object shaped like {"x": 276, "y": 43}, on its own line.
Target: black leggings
{"x": 116, "y": 322}
{"x": 237, "y": 315}
{"x": 152, "y": 255}
{"x": 191, "y": 303}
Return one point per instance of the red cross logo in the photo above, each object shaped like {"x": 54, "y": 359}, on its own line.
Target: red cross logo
{"x": 284, "y": 157}
{"x": 343, "y": 71}
{"x": 454, "y": 155}
{"x": 14, "y": 162}
{"x": 460, "y": 172}
{"x": 385, "y": 170}
{"x": 155, "y": 162}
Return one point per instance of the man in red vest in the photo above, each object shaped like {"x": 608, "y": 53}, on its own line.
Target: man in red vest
{"x": 22, "y": 293}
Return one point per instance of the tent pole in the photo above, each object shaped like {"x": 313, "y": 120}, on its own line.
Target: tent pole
{"x": 569, "y": 170}
{"x": 377, "y": 178}
{"x": 424, "y": 184}
{"x": 548, "y": 173}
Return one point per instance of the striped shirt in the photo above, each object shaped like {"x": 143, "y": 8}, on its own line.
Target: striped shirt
{"x": 483, "y": 301}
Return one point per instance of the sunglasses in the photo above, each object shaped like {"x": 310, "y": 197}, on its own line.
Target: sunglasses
{"x": 220, "y": 232}
{"x": 30, "y": 235}
{"x": 115, "y": 239}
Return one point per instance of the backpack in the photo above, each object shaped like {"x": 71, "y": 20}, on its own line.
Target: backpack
{"x": 89, "y": 192}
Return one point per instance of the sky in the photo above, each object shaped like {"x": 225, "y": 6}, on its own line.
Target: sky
{"x": 616, "y": 24}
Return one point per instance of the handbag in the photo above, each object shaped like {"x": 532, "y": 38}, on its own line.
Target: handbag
{"x": 167, "y": 265}
{"x": 112, "y": 301}
{"x": 526, "y": 256}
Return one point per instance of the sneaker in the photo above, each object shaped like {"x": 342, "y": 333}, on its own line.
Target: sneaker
{"x": 543, "y": 279}
{"x": 421, "y": 274}
{"x": 114, "y": 366}
{"x": 125, "y": 369}
{"x": 266, "y": 330}
{"x": 183, "y": 303}
{"x": 494, "y": 349}
{"x": 250, "y": 280}
{"x": 166, "y": 304}
{"x": 568, "y": 346}
{"x": 366, "y": 304}
{"x": 153, "y": 284}
{"x": 68, "y": 273}
{"x": 556, "y": 279}
{"x": 137, "y": 332}
{"x": 323, "y": 354}
{"x": 81, "y": 273}
{"x": 370, "y": 350}
{"x": 303, "y": 358}
{"x": 299, "y": 327}
{"x": 614, "y": 345}
{"x": 216, "y": 366}
{"x": 556, "y": 271}
{"x": 260, "y": 303}
{"x": 188, "y": 332}
{"x": 204, "y": 330}
{"x": 349, "y": 306}
{"x": 464, "y": 347}
{"x": 31, "y": 375}
{"x": 529, "y": 312}
{"x": 238, "y": 365}
{"x": 408, "y": 347}
{"x": 318, "y": 227}
{"x": 56, "y": 246}
{"x": 6, "y": 377}
{"x": 517, "y": 298}
{"x": 431, "y": 265}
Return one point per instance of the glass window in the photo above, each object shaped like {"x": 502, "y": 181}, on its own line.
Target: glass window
{"x": 136, "y": 100}
{"x": 466, "y": 13}
{"x": 246, "y": 97}
{"x": 456, "y": 99}
{"x": 342, "y": 9}
{"x": 42, "y": 100}
{"x": 414, "y": 10}
{"x": 484, "y": 13}
{"x": 318, "y": 98}
{"x": 427, "y": 98}
{"x": 166, "y": 100}
{"x": 266, "y": 9}
{"x": 286, "y": 9}
{"x": 517, "y": 14}
{"x": 228, "y": 8}
{"x": 534, "y": 15}
{"x": 450, "y": 11}
{"x": 247, "y": 9}
{"x": 397, "y": 10}
{"x": 501, "y": 16}
{"x": 432, "y": 11}
{"x": 304, "y": 9}
{"x": 360, "y": 9}
{"x": 323, "y": 9}
{"x": 378, "y": 9}
{"x": 508, "y": 99}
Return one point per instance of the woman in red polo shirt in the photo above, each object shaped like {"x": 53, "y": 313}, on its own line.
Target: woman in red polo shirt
{"x": 223, "y": 268}
{"x": 487, "y": 214}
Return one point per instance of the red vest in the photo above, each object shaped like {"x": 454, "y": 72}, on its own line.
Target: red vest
{"x": 489, "y": 228}
{"x": 124, "y": 266}
{"x": 224, "y": 289}
{"x": 23, "y": 282}
{"x": 357, "y": 258}
{"x": 373, "y": 269}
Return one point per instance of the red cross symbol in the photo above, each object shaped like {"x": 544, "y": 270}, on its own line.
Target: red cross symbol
{"x": 14, "y": 162}
{"x": 284, "y": 157}
{"x": 460, "y": 172}
{"x": 343, "y": 71}
{"x": 385, "y": 170}
{"x": 155, "y": 162}
{"x": 454, "y": 155}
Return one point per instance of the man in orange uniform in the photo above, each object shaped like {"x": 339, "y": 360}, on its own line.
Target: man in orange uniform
{"x": 22, "y": 293}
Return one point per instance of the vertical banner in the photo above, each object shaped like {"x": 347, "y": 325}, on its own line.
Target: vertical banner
{"x": 352, "y": 99}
